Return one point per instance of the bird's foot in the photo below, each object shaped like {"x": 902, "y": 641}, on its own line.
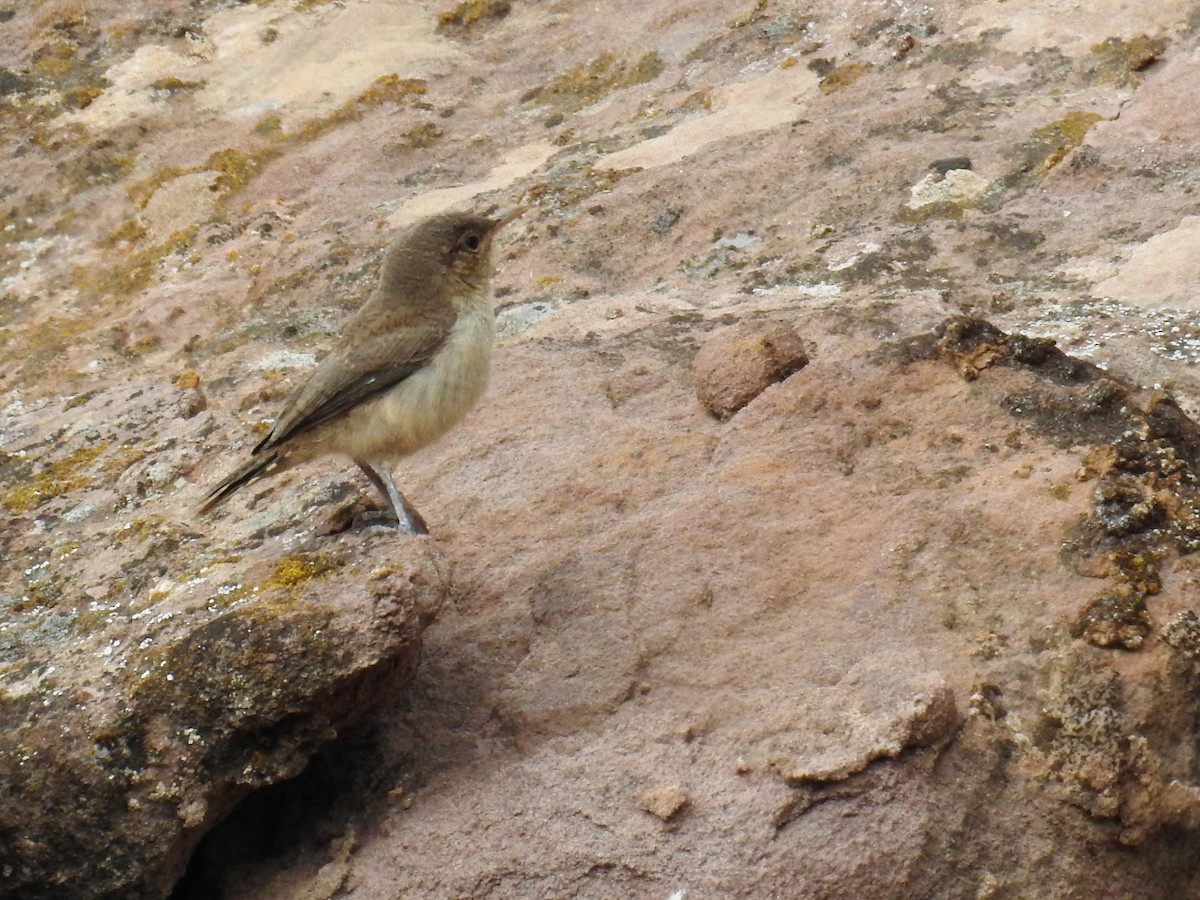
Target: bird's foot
{"x": 385, "y": 518}
{"x": 358, "y": 517}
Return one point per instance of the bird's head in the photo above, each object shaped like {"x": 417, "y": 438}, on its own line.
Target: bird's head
{"x": 457, "y": 243}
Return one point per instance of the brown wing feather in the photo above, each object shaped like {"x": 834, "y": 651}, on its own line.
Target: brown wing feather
{"x": 358, "y": 370}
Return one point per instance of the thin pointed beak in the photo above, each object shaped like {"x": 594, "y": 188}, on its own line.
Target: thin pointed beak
{"x": 509, "y": 216}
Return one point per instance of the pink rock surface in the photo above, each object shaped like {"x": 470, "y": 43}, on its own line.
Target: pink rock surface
{"x": 917, "y": 621}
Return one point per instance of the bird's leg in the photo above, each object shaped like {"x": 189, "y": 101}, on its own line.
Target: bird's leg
{"x": 406, "y": 517}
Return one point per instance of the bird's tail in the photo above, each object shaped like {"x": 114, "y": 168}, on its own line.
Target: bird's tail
{"x": 254, "y": 468}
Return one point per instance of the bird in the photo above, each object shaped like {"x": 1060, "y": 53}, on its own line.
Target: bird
{"x": 406, "y": 368}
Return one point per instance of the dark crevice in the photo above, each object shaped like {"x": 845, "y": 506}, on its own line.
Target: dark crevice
{"x": 340, "y": 789}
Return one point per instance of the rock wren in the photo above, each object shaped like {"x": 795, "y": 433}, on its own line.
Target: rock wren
{"x": 407, "y": 367}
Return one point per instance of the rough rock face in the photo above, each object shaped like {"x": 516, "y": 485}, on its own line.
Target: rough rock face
{"x": 738, "y": 363}
{"x": 129, "y": 734}
{"x": 915, "y": 619}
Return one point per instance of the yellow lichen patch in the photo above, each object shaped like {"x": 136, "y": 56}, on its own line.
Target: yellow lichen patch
{"x": 133, "y": 273}
{"x": 385, "y": 571}
{"x": 131, "y": 231}
{"x": 78, "y": 400}
{"x": 122, "y": 458}
{"x": 81, "y": 96}
{"x": 171, "y": 84}
{"x": 1120, "y": 61}
{"x": 843, "y": 76}
{"x": 54, "y": 59}
{"x": 698, "y": 101}
{"x": 754, "y": 14}
{"x": 187, "y": 379}
{"x": 293, "y": 572}
{"x": 65, "y": 19}
{"x": 421, "y": 136}
{"x": 470, "y": 12}
{"x": 1060, "y": 490}
{"x": 1048, "y": 145}
{"x": 575, "y": 187}
{"x": 44, "y": 343}
{"x": 54, "y": 479}
{"x": 139, "y": 529}
{"x": 389, "y": 88}
{"x": 270, "y": 124}
{"x": 141, "y": 191}
{"x": 235, "y": 167}
{"x": 584, "y": 85}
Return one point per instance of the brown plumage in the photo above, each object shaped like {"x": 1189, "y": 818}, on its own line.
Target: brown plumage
{"x": 408, "y": 366}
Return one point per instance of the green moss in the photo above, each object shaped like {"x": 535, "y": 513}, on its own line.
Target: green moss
{"x": 52, "y": 480}
{"x": 584, "y": 85}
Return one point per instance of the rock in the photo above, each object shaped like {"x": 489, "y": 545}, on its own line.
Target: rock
{"x": 920, "y": 611}
{"x": 954, "y": 189}
{"x": 664, "y": 801}
{"x": 1160, "y": 272}
{"x": 130, "y": 736}
{"x": 734, "y": 365}
{"x": 873, "y": 715}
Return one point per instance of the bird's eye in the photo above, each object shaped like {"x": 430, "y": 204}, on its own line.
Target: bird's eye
{"x": 470, "y": 241}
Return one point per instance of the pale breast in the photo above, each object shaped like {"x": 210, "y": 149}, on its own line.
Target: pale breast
{"x": 425, "y": 405}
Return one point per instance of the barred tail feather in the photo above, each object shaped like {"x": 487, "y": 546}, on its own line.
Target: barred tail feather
{"x": 254, "y": 468}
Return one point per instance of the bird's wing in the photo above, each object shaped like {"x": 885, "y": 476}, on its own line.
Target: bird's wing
{"x": 366, "y": 364}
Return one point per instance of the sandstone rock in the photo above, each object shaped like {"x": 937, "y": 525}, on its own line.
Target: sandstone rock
{"x": 664, "y": 801}
{"x": 130, "y": 736}
{"x": 920, "y": 611}
{"x": 734, "y": 365}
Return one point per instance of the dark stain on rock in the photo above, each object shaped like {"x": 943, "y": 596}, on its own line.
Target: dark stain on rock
{"x": 1146, "y": 450}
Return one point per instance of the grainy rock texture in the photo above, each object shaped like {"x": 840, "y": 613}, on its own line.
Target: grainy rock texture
{"x": 917, "y": 620}
{"x": 129, "y": 731}
{"x": 736, "y": 364}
